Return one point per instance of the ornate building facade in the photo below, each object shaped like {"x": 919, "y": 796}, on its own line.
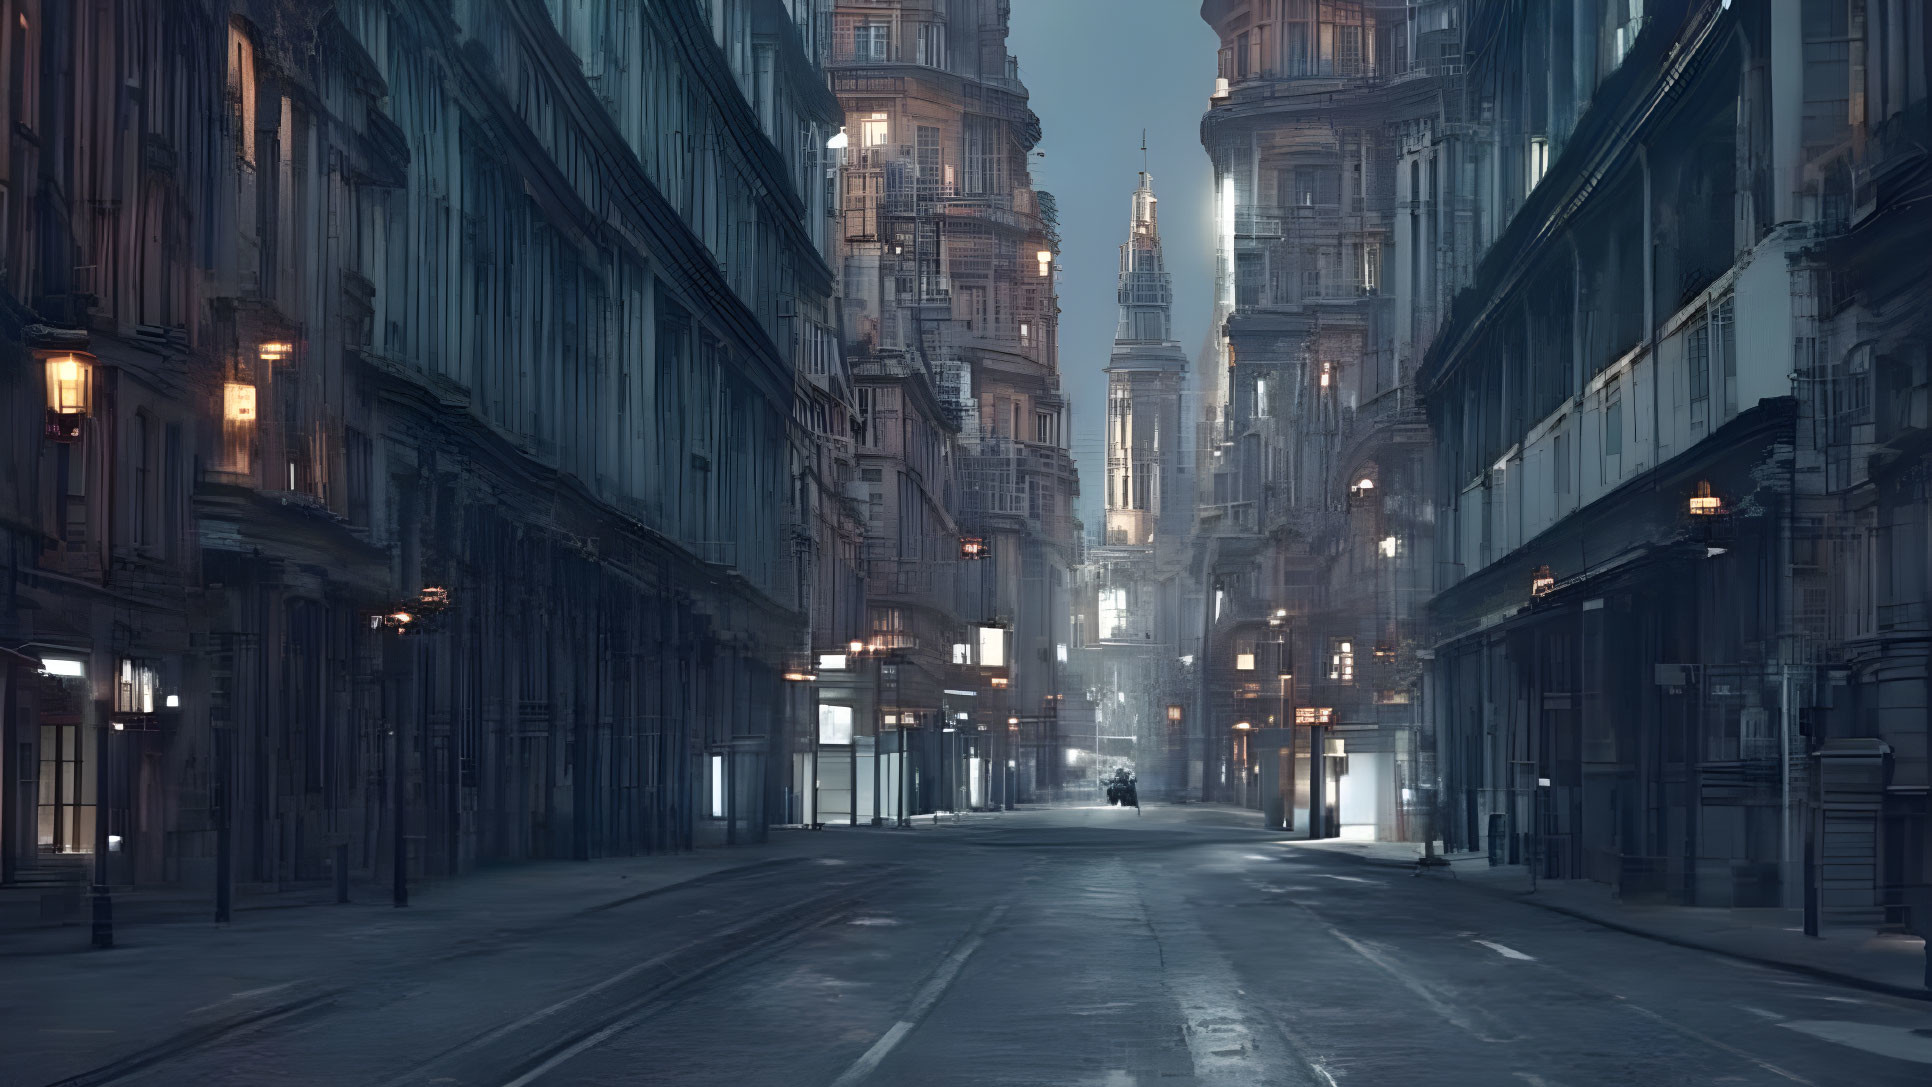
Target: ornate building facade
{"x": 403, "y": 431}
{"x": 951, "y": 321}
{"x": 1313, "y": 544}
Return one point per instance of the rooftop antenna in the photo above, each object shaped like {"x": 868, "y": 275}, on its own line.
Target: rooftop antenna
{"x": 1143, "y": 152}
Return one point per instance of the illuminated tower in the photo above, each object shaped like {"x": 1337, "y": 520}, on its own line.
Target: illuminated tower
{"x": 1144, "y": 376}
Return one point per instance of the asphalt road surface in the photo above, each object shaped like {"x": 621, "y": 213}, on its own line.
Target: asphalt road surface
{"x": 1069, "y": 948}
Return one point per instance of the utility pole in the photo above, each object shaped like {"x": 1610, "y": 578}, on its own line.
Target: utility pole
{"x": 399, "y": 792}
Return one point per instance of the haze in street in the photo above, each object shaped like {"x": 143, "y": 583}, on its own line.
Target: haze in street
{"x": 1028, "y": 543}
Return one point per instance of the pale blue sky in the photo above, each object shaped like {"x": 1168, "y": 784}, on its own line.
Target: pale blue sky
{"x": 1099, "y": 71}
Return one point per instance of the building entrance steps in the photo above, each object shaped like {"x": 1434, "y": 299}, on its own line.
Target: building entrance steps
{"x": 1880, "y": 962}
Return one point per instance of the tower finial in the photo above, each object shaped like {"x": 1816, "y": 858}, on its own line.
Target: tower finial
{"x": 1143, "y": 151}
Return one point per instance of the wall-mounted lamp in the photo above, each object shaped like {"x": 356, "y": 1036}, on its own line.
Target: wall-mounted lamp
{"x": 238, "y": 402}
{"x": 70, "y": 394}
{"x": 838, "y": 140}
{"x": 1704, "y": 503}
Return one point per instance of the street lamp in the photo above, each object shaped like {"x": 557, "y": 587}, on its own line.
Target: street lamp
{"x": 70, "y": 384}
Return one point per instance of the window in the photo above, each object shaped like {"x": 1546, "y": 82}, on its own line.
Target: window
{"x": 1046, "y": 429}
{"x": 932, "y": 45}
{"x": 834, "y": 724}
{"x": 1560, "y": 461}
{"x": 889, "y": 628}
{"x": 1539, "y": 159}
{"x": 871, "y": 41}
{"x": 992, "y": 647}
{"x": 874, "y": 131}
{"x": 983, "y": 153}
{"x": 1242, "y": 50}
{"x": 134, "y": 687}
{"x": 1698, "y": 361}
{"x": 1725, "y": 348}
{"x": 1318, "y": 186}
{"x": 1113, "y": 614}
{"x": 1341, "y": 662}
{"x": 926, "y": 157}
{"x": 1613, "y": 421}
{"x": 1348, "y": 53}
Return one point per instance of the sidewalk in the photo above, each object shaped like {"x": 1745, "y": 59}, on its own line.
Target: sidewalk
{"x": 71, "y": 1008}
{"x": 1893, "y": 964}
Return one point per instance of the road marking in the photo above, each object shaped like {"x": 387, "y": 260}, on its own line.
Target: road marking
{"x": 1415, "y": 986}
{"x": 1761, "y": 1013}
{"x": 1900, "y": 1043}
{"x": 922, "y": 1001}
{"x": 1507, "y": 952}
{"x": 1351, "y": 879}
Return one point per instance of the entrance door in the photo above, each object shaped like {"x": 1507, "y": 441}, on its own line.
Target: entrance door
{"x": 66, "y": 792}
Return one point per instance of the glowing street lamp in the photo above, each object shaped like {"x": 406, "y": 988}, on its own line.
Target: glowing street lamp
{"x": 70, "y": 386}
{"x": 1704, "y": 503}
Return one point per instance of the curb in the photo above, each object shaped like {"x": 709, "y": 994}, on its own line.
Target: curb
{"x": 1854, "y": 981}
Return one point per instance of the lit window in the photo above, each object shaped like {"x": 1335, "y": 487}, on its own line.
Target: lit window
{"x": 873, "y": 131}
{"x": 1341, "y": 663}
{"x": 1244, "y": 662}
{"x": 134, "y": 688}
{"x": 834, "y": 724}
{"x": 1113, "y": 613}
{"x": 1539, "y": 159}
{"x": 992, "y": 647}
{"x": 717, "y": 787}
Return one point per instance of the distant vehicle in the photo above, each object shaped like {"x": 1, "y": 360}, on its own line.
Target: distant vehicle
{"x": 1120, "y": 789}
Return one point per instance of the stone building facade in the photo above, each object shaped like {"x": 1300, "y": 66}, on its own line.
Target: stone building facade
{"x": 1313, "y": 542}
{"x": 408, "y": 431}
{"x": 1679, "y": 620}
{"x": 950, "y": 319}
